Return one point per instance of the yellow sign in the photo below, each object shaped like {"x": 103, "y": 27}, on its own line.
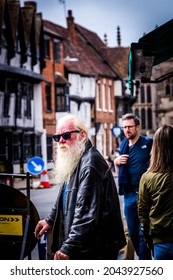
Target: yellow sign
{"x": 11, "y": 225}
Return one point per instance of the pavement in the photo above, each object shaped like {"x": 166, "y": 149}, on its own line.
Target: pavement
{"x": 21, "y": 184}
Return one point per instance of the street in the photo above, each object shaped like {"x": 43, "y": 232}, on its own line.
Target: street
{"x": 43, "y": 199}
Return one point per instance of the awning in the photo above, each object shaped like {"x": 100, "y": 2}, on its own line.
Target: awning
{"x": 152, "y": 49}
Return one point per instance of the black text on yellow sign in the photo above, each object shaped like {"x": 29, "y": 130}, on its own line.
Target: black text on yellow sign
{"x": 11, "y": 225}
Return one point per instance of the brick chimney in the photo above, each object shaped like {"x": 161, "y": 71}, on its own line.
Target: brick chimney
{"x": 71, "y": 27}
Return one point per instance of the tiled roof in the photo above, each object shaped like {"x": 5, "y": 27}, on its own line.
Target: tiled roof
{"x": 88, "y": 48}
{"x": 118, "y": 57}
{"x": 55, "y": 29}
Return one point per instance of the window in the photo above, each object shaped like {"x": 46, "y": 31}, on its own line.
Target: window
{"x": 137, "y": 112}
{"x": 104, "y": 97}
{"x": 38, "y": 146}
{"x": 109, "y": 99}
{"x": 16, "y": 147}
{"x": 167, "y": 90}
{"x": 171, "y": 92}
{"x": 149, "y": 113}
{"x": 62, "y": 103}
{"x": 98, "y": 94}
{"x": 48, "y": 98}
{"x": 143, "y": 125}
{"x": 142, "y": 94}
{"x": 49, "y": 148}
{"x": 168, "y": 85}
{"x": 27, "y": 94}
{"x": 19, "y": 102}
{"x": 46, "y": 46}
{"x": 148, "y": 94}
{"x": 28, "y": 146}
{"x": 56, "y": 50}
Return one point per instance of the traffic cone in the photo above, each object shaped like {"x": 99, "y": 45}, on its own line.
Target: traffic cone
{"x": 8, "y": 181}
{"x": 44, "y": 180}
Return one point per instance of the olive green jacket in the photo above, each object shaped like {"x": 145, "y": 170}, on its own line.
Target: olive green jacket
{"x": 155, "y": 206}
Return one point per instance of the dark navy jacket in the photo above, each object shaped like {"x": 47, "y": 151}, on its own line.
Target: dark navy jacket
{"x": 137, "y": 164}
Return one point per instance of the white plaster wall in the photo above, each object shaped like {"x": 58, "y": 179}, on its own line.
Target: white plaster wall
{"x": 81, "y": 86}
{"x": 3, "y": 56}
{"x": 118, "y": 88}
{"x": 15, "y": 61}
{"x": 38, "y": 112}
{"x": 85, "y": 113}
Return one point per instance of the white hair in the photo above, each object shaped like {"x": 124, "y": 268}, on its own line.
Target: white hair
{"x": 78, "y": 123}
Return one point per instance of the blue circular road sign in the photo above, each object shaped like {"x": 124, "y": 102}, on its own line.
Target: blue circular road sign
{"x": 117, "y": 131}
{"x": 35, "y": 165}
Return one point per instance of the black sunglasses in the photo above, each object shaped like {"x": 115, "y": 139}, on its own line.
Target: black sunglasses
{"x": 65, "y": 135}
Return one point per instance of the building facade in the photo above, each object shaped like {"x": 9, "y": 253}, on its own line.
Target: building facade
{"x": 21, "y": 64}
{"x": 88, "y": 89}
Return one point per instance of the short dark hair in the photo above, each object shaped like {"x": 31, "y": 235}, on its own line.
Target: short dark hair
{"x": 130, "y": 116}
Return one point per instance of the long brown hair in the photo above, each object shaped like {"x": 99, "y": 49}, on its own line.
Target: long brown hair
{"x": 162, "y": 150}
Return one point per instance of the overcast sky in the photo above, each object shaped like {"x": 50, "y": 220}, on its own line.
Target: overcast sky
{"x": 134, "y": 17}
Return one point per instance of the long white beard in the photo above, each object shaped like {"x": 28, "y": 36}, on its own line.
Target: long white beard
{"x": 66, "y": 161}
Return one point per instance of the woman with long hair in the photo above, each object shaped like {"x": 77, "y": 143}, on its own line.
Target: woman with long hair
{"x": 155, "y": 202}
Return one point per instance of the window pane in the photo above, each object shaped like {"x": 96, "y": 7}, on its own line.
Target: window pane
{"x": 149, "y": 112}
{"x": 19, "y": 102}
{"x": 62, "y": 99}
{"x": 27, "y": 94}
{"x": 56, "y": 49}
{"x": 48, "y": 97}
{"x": 46, "y": 47}
{"x": 60, "y": 103}
{"x": 148, "y": 94}
{"x": 16, "y": 147}
{"x": 49, "y": 148}
{"x": 27, "y": 146}
{"x": 142, "y": 94}
{"x": 143, "y": 119}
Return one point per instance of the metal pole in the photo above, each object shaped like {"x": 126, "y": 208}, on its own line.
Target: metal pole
{"x": 27, "y": 221}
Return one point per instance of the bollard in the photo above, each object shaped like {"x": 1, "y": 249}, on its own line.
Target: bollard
{"x": 8, "y": 181}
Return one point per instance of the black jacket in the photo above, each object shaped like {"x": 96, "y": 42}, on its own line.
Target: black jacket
{"x": 91, "y": 227}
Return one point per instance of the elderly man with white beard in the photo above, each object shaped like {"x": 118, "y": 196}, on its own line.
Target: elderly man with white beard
{"x": 85, "y": 221}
